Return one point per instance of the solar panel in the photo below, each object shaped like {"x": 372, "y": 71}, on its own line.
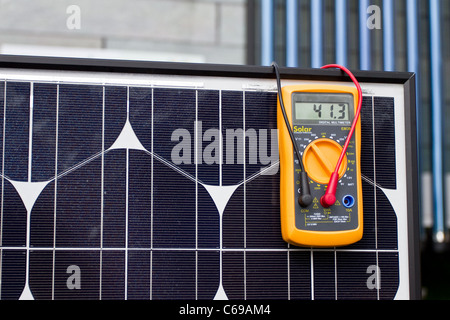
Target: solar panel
{"x": 160, "y": 181}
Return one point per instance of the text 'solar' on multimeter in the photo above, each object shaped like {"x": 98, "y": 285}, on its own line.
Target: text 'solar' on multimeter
{"x": 320, "y": 117}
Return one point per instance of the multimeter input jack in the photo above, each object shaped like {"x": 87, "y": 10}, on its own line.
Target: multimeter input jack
{"x": 348, "y": 201}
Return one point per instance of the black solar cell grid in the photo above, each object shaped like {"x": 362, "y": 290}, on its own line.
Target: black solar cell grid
{"x": 134, "y": 225}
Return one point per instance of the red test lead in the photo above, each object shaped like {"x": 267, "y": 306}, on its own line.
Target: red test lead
{"x": 329, "y": 198}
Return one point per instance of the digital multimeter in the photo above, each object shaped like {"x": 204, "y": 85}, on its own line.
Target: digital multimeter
{"x": 320, "y": 117}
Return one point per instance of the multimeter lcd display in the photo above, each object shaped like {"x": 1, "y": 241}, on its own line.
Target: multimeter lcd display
{"x": 323, "y": 108}
{"x": 321, "y": 111}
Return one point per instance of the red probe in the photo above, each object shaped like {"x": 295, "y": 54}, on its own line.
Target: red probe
{"x": 329, "y": 198}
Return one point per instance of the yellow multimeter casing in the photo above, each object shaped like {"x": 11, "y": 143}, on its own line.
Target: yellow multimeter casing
{"x": 320, "y": 117}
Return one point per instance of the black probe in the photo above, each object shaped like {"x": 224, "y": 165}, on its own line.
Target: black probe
{"x": 305, "y": 198}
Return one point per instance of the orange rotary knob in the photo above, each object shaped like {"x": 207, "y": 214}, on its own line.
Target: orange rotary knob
{"x": 320, "y": 158}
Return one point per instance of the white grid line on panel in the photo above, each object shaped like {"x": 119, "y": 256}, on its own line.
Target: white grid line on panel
{"x": 3, "y": 183}
{"x": 30, "y": 131}
{"x": 200, "y": 249}
{"x": 151, "y": 201}
{"x": 335, "y": 276}
{"x": 245, "y": 195}
{"x": 375, "y": 191}
{"x": 220, "y": 184}
{"x": 311, "y": 261}
{"x": 126, "y": 201}
{"x": 196, "y": 135}
{"x": 374, "y": 171}
{"x": 102, "y": 185}
{"x": 289, "y": 274}
{"x": 56, "y": 192}
{"x": 27, "y": 290}
{"x": 220, "y": 139}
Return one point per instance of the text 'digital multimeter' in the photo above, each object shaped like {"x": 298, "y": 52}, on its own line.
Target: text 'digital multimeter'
{"x": 320, "y": 117}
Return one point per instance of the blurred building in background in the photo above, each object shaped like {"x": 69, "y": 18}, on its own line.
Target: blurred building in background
{"x": 169, "y": 30}
{"x": 380, "y": 35}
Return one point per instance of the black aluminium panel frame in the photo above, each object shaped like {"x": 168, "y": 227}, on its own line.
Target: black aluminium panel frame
{"x": 407, "y": 79}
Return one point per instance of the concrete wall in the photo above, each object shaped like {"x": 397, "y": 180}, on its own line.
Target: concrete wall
{"x": 181, "y": 30}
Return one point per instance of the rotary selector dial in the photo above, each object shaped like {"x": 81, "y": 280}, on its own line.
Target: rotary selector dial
{"x": 320, "y": 158}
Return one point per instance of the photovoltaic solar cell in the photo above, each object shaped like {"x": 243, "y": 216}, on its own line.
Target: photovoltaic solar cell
{"x": 113, "y": 206}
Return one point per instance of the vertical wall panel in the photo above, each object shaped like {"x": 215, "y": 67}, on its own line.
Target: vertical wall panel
{"x": 364, "y": 36}
{"x": 292, "y": 14}
{"x": 437, "y": 119}
{"x": 316, "y": 34}
{"x": 388, "y": 35}
{"x": 267, "y": 27}
{"x": 341, "y": 17}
